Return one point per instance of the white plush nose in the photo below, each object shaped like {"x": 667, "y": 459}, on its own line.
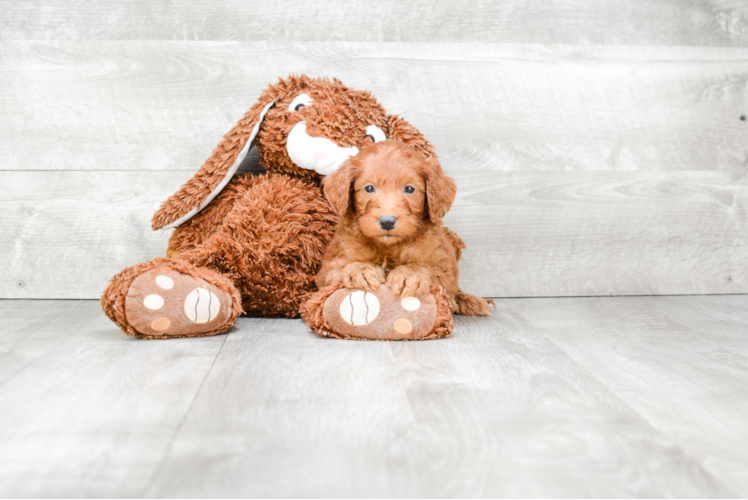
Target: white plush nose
{"x": 316, "y": 153}
{"x": 323, "y": 149}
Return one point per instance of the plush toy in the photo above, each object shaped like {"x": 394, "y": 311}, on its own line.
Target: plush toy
{"x": 253, "y": 244}
{"x": 339, "y": 312}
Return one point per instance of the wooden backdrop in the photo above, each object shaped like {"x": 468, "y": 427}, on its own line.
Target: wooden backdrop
{"x": 599, "y": 147}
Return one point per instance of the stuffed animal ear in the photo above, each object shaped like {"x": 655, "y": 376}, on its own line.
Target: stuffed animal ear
{"x": 217, "y": 171}
{"x": 338, "y": 187}
{"x": 401, "y": 131}
{"x": 440, "y": 190}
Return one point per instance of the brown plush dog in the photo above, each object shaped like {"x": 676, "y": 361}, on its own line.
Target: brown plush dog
{"x": 254, "y": 243}
{"x": 391, "y": 201}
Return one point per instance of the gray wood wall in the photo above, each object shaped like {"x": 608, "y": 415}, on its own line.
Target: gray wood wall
{"x": 598, "y": 146}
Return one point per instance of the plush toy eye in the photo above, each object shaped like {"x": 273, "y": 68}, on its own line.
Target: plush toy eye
{"x": 299, "y": 102}
{"x": 375, "y": 134}
{"x": 410, "y": 189}
{"x": 369, "y": 188}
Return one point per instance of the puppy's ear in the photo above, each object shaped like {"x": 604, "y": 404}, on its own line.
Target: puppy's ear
{"x": 338, "y": 188}
{"x": 440, "y": 190}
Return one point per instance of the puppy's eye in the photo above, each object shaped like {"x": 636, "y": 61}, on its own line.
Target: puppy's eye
{"x": 410, "y": 189}
{"x": 369, "y": 188}
{"x": 299, "y": 102}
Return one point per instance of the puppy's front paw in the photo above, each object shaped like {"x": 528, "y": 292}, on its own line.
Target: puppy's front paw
{"x": 362, "y": 275}
{"x": 407, "y": 283}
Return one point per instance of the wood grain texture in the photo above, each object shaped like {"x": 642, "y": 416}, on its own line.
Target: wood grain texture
{"x": 680, "y": 363}
{"x": 496, "y": 410}
{"x": 655, "y": 22}
{"x": 602, "y": 233}
{"x": 139, "y": 105}
{"x": 584, "y": 169}
{"x": 64, "y": 234}
{"x": 574, "y": 397}
{"x": 527, "y": 234}
{"x": 329, "y": 406}
{"x": 87, "y": 411}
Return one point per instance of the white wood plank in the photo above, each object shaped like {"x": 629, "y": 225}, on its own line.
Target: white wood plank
{"x": 723, "y": 320}
{"x": 603, "y": 233}
{"x": 304, "y": 417}
{"x": 496, "y": 410}
{"x": 140, "y": 105}
{"x": 676, "y": 361}
{"x": 655, "y": 22}
{"x": 31, "y": 329}
{"x": 600, "y": 397}
{"x": 64, "y": 234}
{"x": 88, "y": 411}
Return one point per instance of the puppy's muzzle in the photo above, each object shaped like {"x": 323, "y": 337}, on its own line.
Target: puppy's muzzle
{"x": 387, "y": 222}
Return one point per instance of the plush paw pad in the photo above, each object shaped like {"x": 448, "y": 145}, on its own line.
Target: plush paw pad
{"x": 359, "y": 308}
{"x": 162, "y": 303}
{"x": 201, "y": 306}
{"x": 380, "y": 315}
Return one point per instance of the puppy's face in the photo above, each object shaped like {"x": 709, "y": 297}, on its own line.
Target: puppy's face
{"x": 389, "y": 198}
{"x": 392, "y": 191}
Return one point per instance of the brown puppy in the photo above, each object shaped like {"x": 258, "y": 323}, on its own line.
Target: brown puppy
{"x": 391, "y": 202}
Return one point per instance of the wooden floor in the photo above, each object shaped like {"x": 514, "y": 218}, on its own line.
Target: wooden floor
{"x": 565, "y": 397}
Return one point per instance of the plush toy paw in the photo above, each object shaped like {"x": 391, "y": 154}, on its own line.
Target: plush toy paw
{"x": 167, "y": 298}
{"x": 379, "y": 315}
{"x": 168, "y": 303}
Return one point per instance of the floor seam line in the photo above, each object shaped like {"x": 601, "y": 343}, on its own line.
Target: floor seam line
{"x": 649, "y": 424}
{"x": 173, "y": 438}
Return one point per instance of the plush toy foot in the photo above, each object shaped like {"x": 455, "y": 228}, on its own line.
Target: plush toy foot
{"x": 380, "y": 315}
{"x": 168, "y": 303}
{"x": 166, "y": 299}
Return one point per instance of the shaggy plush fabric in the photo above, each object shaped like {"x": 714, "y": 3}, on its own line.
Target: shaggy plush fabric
{"x": 270, "y": 244}
{"x": 114, "y": 297}
{"x": 313, "y": 313}
{"x": 264, "y": 237}
{"x": 337, "y": 113}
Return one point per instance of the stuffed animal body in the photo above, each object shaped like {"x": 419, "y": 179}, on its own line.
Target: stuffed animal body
{"x": 253, "y": 244}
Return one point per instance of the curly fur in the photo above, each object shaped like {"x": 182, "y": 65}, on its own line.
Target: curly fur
{"x": 267, "y": 235}
{"x": 391, "y": 179}
{"x": 270, "y": 244}
{"x": 312, "y": 311}
{"x": 339, "y": 113}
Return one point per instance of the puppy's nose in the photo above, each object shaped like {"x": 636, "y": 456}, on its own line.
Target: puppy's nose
{"x": 387, "y": 222}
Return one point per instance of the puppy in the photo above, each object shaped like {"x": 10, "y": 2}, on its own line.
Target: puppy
{"x": 391, "y": 201}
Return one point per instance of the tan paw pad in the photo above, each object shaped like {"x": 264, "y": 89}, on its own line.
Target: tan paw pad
{"x": 402, "y": 326}
{"x": 160, "y": 324}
